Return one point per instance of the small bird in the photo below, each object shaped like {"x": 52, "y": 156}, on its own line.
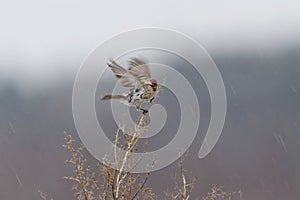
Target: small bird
{"x": 138, "y": 79}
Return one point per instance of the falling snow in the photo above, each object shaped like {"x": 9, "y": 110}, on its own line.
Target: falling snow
{"x": 282, "y": 143}
{"x": 12, "y": 128}
{"x": 233, "y": 89}
{"x": 18, "y": 179}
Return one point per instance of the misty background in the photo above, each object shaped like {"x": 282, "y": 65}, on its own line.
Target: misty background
{"x": 256, "y": 47}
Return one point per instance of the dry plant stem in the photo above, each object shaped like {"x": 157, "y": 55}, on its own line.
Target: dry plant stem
{"x": 115, "y": 147}
{"x": 134, "y": 139}
{"x": 77, "y": 160}
{"x": 142, "y": 186}
{"x": 113, "y": 186}
{"x": 80, "y": 178}
{"x": 217, "y": 193}
{"x": 185, "y": 195}
{"x": 43, "y": 195}
{"x": 183, "y": 187}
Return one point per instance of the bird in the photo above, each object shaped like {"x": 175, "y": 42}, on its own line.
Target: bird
{"x": 142, "y": 88}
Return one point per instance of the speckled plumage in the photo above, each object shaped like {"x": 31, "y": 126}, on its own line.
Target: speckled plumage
{"x": 138, "y": 77}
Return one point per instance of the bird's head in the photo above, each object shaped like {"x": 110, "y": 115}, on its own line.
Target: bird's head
{"x": 153, "y": 83}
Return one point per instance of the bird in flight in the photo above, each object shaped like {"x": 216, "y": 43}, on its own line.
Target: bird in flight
{"x": 137, "y": 77}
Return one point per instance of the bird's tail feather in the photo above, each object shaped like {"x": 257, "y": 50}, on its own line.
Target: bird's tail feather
{"x": 110, "y": 96}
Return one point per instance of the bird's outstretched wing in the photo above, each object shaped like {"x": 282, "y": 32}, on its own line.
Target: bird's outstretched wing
{"x": 139, "y": 69}
{"x": 137, "y": 73}
{"x": 127, "y": 79}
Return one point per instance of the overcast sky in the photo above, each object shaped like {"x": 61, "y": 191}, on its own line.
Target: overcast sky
{"x": 37, "y": 35}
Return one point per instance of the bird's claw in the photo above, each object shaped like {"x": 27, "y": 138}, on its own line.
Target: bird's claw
{"x": 142, "y": 109}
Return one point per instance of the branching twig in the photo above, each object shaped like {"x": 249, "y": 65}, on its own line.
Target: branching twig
{"x": 130, "y": 146}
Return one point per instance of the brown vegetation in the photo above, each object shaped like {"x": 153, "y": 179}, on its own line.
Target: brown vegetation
{"x": 106, "y": 182}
